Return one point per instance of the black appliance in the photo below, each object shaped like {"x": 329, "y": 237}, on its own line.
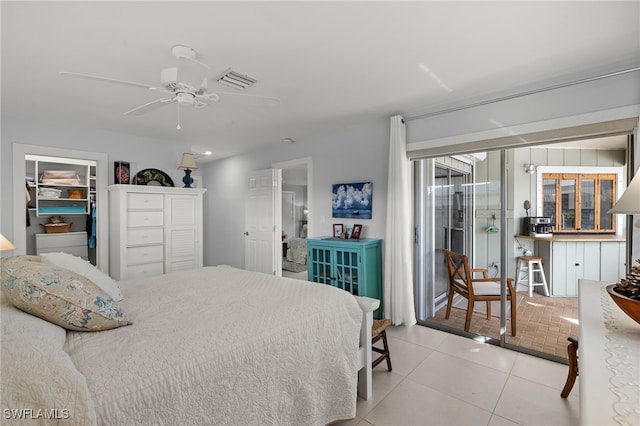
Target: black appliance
{"x": 537, "y": 226}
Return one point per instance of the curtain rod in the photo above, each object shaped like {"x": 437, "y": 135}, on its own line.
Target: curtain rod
{"x": 518, "y": 95}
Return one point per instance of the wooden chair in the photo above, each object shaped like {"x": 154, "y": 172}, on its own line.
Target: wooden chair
{"x": 378, "y": 332}
{"x": 485, "y": 289}
{"x": 572, "y": 349}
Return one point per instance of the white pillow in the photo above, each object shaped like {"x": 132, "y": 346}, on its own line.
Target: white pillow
{"x": 82, "y": 267}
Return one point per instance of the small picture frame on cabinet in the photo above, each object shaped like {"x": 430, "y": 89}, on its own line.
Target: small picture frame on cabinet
{"x": 357, "y": 230}
{"x": 122, "y": 172}
{"x": 338, "y": 230}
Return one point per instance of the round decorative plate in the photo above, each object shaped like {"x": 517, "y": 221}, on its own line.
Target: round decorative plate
{"x": 153, "y": 177}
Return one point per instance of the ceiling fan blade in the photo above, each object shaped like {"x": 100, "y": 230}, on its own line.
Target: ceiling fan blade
{"x": 153, "y": 105}
{"x": 208, "y": 97}
{"x": 192, "y": 73}
{"x": 248, "y": 100}
{"x": 111, "y": 80}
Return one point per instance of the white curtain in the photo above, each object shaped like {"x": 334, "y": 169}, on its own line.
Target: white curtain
{"x": 398, "y": 253}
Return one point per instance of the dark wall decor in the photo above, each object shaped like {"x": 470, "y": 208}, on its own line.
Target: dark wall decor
{"x": 122, "y": 172}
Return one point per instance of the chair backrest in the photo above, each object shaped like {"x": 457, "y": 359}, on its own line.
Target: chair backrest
{"x": 459, "y": 272}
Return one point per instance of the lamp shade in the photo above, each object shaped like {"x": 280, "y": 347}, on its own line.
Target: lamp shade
{"x": 188, "y": 162}
{"x": 629, "y": 202}
{"x": 6, "y": 245}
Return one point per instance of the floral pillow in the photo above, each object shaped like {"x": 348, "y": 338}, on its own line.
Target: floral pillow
{"x": 58, "y": 295}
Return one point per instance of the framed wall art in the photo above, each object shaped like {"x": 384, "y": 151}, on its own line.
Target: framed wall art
{"x": 352, "y": 200}
{"x": 122, "y": 172}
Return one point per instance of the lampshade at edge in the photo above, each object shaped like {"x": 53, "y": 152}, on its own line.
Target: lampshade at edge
{"x": 629, "y": 202}
{"x": 5, "y": 244}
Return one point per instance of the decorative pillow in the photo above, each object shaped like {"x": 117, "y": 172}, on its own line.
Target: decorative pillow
{"x": 80, "y": 266}
{"x": 58, "y": 295}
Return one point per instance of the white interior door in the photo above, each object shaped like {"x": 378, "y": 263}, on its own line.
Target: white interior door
{"x": 263, "y": 226}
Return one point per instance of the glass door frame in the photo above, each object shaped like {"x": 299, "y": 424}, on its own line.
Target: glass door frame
{"x": 425, "y": 235}
{"x": 424, "y": 240}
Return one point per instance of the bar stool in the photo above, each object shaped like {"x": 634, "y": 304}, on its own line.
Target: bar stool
{"x": 527, "y": 268}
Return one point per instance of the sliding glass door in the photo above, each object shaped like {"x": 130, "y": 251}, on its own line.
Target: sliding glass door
{"x": 443, "y": 222}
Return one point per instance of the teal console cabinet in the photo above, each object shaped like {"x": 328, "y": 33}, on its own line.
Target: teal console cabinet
{"x": 352, "y": 265}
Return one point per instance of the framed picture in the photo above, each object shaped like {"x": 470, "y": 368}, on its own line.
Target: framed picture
{"x": 338, "y": 230}
{"x": 122, "y": 172}
{"x": 352, "y": 200}
{"x": 357, "y": 230}
{"x": 347, "y": 232}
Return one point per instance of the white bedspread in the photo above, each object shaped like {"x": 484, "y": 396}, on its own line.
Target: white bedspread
{"x": 219, "y": 345}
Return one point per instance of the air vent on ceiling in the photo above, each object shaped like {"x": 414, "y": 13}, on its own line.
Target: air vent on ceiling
{"x": 236, "y": 79}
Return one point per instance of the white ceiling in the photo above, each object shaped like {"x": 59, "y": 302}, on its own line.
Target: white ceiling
{"x": 331, "y": 64}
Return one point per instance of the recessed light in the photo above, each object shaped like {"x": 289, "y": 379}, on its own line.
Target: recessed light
{"x": 288, "y": 140}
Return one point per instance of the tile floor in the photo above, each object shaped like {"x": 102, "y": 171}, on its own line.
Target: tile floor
{"x": 444, "y": 379}
{"x": 543, "y": 323}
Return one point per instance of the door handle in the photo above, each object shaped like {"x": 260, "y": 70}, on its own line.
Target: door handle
{"x": 246, "y": 233}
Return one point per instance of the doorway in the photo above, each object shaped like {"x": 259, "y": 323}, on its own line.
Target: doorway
{"x": 296, "y": 187}
{"x": 444, "y": 220}
{"x": 288, "y": 215}
{"x": 20, "y": 152}
{"x": 452, "y": 223}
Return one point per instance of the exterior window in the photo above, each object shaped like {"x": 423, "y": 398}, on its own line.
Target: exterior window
{"x": 579, "y": 202}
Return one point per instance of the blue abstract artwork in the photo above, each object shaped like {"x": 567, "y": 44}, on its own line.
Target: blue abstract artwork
{"x": 352, "y": 200}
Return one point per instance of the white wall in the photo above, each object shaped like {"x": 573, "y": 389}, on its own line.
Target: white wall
{"x": 355, "y": 154}
{"x": 599, "y": 95}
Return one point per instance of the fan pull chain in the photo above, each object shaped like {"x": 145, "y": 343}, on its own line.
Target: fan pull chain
{"x": 178, "y": 127}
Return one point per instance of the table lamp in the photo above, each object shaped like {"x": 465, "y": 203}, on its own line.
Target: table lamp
{"x": 5, "y": 244}
{"x": 626, "y": 294}
{"x": 629, "y": 202}
{"x": 187, "y": 164}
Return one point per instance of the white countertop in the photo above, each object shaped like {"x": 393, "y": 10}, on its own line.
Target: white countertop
{"x": 609, "y": 360}
{"x": 577, "y": 237}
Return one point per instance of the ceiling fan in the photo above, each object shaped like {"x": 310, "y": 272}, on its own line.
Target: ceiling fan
{"x": 185, "y": 85}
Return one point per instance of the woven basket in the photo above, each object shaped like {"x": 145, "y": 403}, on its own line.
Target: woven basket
{"x": 56, "y": 228}
{"x": 75, "y": 193}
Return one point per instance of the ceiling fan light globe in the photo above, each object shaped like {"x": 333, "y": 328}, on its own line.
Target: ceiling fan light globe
{"x": 185, "y": 98}
{"x": 169, "y": 78}
{"x": 181, "y": 50}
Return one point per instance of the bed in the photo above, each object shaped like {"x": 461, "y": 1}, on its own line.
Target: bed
{"x": 216, "y": 345}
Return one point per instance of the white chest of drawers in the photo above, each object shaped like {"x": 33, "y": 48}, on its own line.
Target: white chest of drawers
{"x": 154, "y": 230}
{"x": 69, "y": 242}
